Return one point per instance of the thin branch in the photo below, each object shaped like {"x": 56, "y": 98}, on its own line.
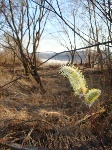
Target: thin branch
{"x": 10, "y": 82}
{"x": 97, "y": 44}
{"x": 54, "y": 11}
{"x": 101, "y": 10}
{"x": 16, "y": 146}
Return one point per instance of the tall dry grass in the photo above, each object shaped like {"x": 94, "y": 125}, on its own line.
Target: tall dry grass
{"x": 53, "y": 120}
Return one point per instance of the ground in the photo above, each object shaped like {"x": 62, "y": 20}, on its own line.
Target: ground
{"x": 55, "y": 119}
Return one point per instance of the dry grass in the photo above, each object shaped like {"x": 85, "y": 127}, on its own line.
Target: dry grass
{"x": 50, "y": 120}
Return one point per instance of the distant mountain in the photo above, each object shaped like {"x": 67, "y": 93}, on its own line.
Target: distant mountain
{"x": 63, "y": 56}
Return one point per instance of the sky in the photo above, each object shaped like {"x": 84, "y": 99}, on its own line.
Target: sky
{"x": 53, "y": 37}
{"x": 57, "y": 36}
{"x": 50, "y": 45}
{"x": 50, "y": 40}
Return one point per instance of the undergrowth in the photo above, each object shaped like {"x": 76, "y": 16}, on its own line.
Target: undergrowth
{"x": 56, "y": 119}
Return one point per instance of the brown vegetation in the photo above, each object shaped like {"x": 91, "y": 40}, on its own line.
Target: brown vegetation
{"x": 55, "y": 119}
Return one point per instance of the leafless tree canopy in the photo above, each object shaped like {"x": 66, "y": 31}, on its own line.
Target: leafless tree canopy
{"x": 87, "y": 22}
{"x": 24, "y": 22}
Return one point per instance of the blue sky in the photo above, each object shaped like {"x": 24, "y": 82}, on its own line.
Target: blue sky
{"x": 53, "y": 36}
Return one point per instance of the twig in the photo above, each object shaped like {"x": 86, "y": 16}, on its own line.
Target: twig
{"x": 16, "y": 146}
{"x": 28, "y": 137}
{"x": 81, "y": 48}
{"x": 10, "y": 82}
{"x": 89, "y": 116}
{"x": 96, "y": 130}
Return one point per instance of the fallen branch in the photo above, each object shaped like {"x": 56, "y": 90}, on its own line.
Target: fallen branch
{"x": 11, "y": 82}
{"x": 97, "y": 114}
{"x": 16, "y": 146}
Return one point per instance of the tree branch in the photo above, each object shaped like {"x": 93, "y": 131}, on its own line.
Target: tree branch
{"x": 97, "y": 44}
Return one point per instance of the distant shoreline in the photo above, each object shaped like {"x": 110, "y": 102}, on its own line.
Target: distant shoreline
{"x": 53, "y": 61}
{"x": 61, "y": 58}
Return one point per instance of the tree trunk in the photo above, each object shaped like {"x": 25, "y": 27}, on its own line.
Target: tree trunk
{"x": 72, "y": 57}
{"x": 89, "y": 60}
{"x": 36, "y": 76}
{"x": 100, "y": 58}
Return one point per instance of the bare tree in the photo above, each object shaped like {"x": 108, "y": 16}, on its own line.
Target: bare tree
{"x": 65, "y": 37}
{"x": 26, "y": 22}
